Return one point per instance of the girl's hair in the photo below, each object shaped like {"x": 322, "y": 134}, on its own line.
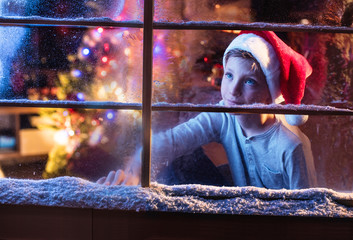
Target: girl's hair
{"x": 245, "y": 55}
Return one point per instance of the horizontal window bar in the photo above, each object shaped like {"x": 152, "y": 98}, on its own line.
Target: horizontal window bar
{"x": 255, "y": 108}
{"x": 79, "y": 22}
{"x": 252, "y": 26}
{"x": 70, "y": 104}
{"x": 192, "y": 25}
{"x": 185, "y": 107}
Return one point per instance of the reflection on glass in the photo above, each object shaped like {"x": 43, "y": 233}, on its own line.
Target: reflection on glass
{"x": 315, "y": 12}
{"x": 187, "y": 155}
{"x": 114, "y": 9}
{"x": 65, "y": 63}
{"x": 73, "y": 142}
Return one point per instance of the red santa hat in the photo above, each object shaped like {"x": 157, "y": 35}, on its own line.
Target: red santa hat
{"x": 285, "y": 69}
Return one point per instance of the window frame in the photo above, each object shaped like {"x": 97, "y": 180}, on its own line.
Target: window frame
{"x": 148, "y": 25}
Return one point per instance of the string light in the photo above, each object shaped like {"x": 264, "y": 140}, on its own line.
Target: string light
{"x": 100, "y": 30}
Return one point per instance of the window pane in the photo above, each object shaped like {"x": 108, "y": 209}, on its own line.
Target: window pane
{"x": 73, "y": 142}
{"x": 188, "y": 65}
{"x": 85, "y": 9}
{"x": 66, "y": 63}
{"x": 316, "y": 12}
{"x": 177, "y": 158}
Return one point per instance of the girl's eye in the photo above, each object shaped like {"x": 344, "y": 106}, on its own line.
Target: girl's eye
{"x": 250, "y": 81}
{"x": 229, "y": 76}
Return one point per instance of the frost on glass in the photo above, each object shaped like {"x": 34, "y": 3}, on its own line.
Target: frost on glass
{"x": 117, "y": 10}
{"x": 67, "y": 142}
{"x": 330, "y": 138}
{"x": 75, "y": 64}
{"x": 315, "y": 12}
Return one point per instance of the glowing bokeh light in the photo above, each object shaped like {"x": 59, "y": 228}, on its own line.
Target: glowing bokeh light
{"x": 76, "y": 73}
{"x": 176, "y": 53}
{"x": 157, "y": 50}
{"x": 127, "y": 51}
{"x": 110, "y": 115}
{"x": 118, "y": 91}
{"x": 103, "y": 73}
{"x": 113, "y": 84}
{"x": 105, "y": 59}
{"x": 86, "y": 51}
{"x": 80, "y": 96}
{"x": 61, "y": 137}
{"x": 106, "y": 47}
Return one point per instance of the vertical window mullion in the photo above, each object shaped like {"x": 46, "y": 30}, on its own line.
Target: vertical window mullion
{"x": 147, "y": 92}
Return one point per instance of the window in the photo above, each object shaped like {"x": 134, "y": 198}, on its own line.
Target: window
{"x": 79, "y": 62}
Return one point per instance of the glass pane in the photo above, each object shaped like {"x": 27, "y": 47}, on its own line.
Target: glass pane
{"x": 8, "y": 141}
{"x": 67, "y": 63}
{"x": 188, "y": 66}
{"x": 197, "y": 152}
{"x": 70, "y": 142}
{"x": 85, "y": 9}
{"x": 315, "y": 12}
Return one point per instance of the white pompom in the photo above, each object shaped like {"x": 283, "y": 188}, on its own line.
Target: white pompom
{"x": 296, "y": 120}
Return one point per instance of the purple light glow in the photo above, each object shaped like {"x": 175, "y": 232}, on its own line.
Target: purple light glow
{"x": 110, "y": 115}
{"x": 76, "y": 73}
{"x": 157, "y": 50}
{"x": 80, "y": 96}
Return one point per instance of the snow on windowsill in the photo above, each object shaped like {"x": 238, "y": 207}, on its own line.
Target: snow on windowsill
{"x": 79, "y": 193}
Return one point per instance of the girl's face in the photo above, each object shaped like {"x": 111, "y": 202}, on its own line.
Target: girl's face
{"x": 241, "y": 84}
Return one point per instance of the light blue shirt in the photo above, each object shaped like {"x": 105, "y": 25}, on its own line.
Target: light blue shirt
{"x": 278, "y": 158}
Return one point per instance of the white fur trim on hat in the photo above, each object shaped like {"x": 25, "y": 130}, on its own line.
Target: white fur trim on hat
{"x": 264, "y": 53}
